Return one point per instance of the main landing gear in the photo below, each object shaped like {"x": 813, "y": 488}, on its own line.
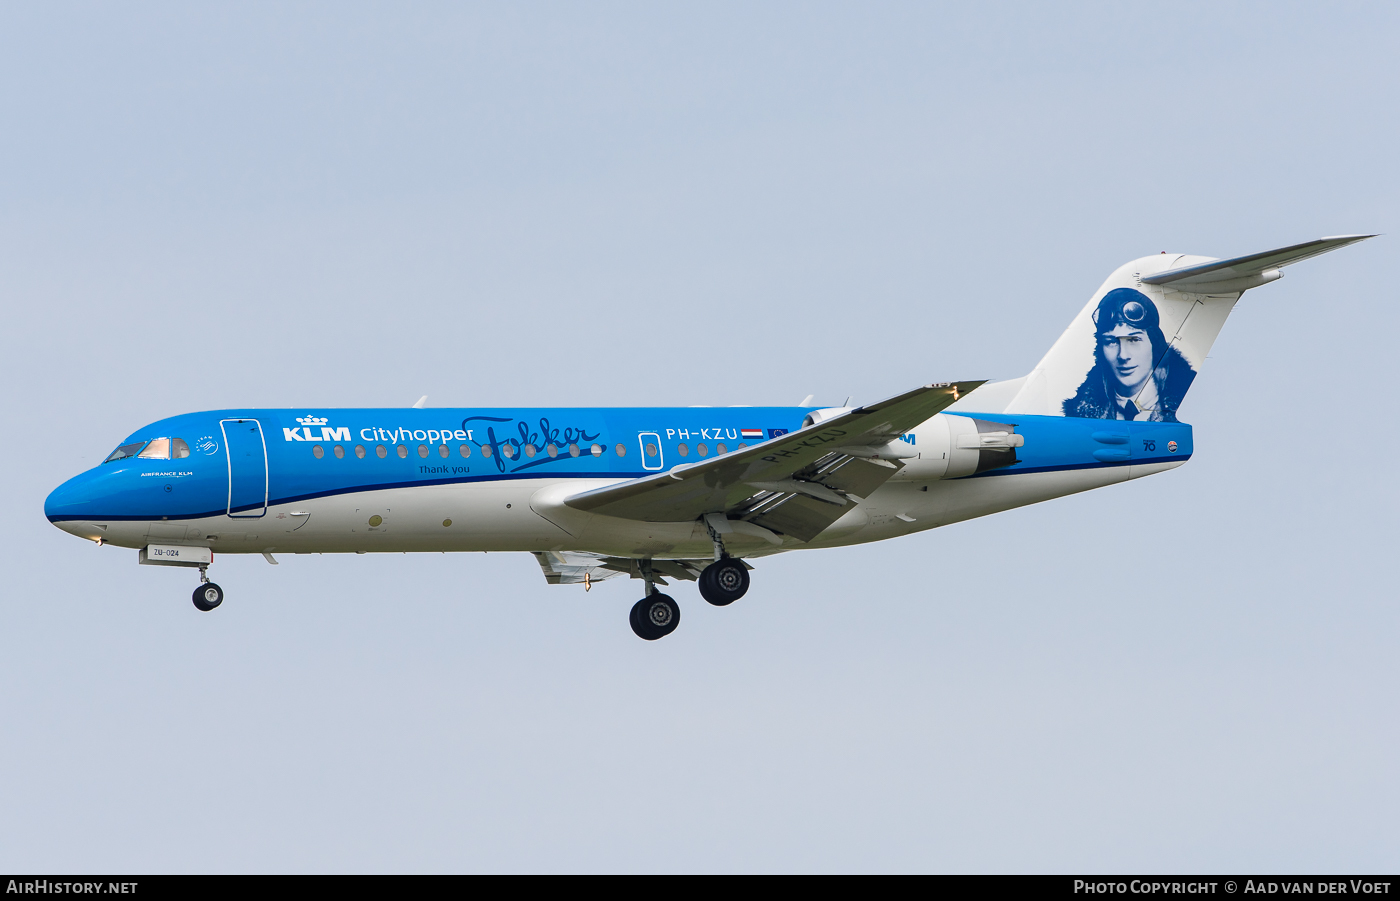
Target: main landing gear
{"x": 208, "y": 595}
{"x": 657, "y": 615}
{"x": 724, "y": 581}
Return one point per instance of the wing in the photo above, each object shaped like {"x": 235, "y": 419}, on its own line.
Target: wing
{"x": 796, "y": 484}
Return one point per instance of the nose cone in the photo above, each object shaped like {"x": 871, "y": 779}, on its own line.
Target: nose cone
{"x": 72, "y": 505}
{"x": 63, "y": 499}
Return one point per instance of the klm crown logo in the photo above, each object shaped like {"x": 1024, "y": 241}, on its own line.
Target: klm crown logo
{"x": 305, "y": 434}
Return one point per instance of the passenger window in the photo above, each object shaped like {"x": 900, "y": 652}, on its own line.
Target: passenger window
{"x": 423, "y": 450}
{"x": 573, "y": 450}
{"x": 651, "y": 449}
{"x": 465, "y": 450}
{"x": 486, "y": 450}
{"x": 622, "y": 450}
{"x": 551, "y": 450}
{"x": 682, "y": 450}
{"x": 318, "y": 452}
{"x": 721, "y": 449}
{"x": 508, "y": 451}
{"x": 529, "y": 450}
{"x": 179, "y": 450}
{"x": 381, "y": 452}
{"x": 443, "y": 451}
{"x": 403, "y": 452}
{"x": 126, "y": 450}
{"x": 360, "y": 451}
{"x": 158, "y": 449}
{"x": 339, "y": 452}
{"x": 702, "y": 449}
{"x": 596, "y": 450}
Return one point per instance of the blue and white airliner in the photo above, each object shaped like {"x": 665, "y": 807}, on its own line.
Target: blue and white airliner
{"x": 683, "y": 493}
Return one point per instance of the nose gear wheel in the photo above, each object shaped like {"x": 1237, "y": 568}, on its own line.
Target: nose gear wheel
{"x": 208, "y": 596}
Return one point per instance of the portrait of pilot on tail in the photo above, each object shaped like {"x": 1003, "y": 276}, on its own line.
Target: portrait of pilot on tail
{"x": 1136, "y": 373}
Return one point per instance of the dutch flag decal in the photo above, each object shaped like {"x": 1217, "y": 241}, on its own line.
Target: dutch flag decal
{"x": 752, "y": 433}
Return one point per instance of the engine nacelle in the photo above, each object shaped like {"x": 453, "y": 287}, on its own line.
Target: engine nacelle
{"x": 824, "y": 414}
{"x": 950, "y": 446}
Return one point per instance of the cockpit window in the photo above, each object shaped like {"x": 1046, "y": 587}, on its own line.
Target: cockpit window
{"x": 179, "y": 450}
{"x": 126, "y": 450}
{"x": 158, "y": 449}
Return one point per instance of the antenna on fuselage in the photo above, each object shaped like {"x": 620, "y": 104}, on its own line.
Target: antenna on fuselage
{"x": 422, "y": 402}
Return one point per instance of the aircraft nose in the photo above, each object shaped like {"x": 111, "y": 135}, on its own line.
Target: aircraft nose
{"x": 62, "y": 499}
{"x": 71, "y": 501}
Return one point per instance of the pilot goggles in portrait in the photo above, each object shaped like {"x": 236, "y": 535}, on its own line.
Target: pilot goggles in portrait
{"x": 1129, "y": 311}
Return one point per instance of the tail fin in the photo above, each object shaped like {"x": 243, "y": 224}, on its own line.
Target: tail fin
{"x": 1133, "y": 351}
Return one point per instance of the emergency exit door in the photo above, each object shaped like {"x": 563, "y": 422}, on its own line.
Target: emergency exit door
{"x": 247, "y": 468}
{"x": 649, "y": 443}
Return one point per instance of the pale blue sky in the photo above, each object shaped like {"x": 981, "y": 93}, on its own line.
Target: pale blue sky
{"x": 350, "y": 205}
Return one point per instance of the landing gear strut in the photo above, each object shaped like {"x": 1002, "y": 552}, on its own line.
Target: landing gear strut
{"x": 656, "y": 615}
{"x": 208, "y": 595}
{"x": 724, "y": 581}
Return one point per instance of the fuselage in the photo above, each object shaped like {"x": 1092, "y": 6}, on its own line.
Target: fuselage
{"x": 401, "y": 480}
{"x": 680, "y": 493}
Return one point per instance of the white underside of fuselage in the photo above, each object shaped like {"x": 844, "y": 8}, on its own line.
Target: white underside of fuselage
{"x": 529, "y": 515}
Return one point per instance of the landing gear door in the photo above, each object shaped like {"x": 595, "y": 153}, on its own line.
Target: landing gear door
{"x": 247, "y": 468}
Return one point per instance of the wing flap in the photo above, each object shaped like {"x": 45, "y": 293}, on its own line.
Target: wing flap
{"x": 578, "y": 568}
{"x": 801, "y": 517}
{"x": 574, "y": 569}
{"x": 805, "y": 518}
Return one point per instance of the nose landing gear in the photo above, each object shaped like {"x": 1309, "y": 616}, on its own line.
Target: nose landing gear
{"x": 208, "y": 595}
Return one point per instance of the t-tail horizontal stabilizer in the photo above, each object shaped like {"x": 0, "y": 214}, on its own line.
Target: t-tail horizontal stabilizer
{"x": 1243, "y": 273}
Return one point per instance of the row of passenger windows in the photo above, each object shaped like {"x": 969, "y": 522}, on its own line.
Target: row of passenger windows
{"x": 177, "y": 449}
{"x": 465, "y": 450}
{"x": 155, "y": 449}
{"x": 702, "y": 450}
{"x": 508, "y": 450}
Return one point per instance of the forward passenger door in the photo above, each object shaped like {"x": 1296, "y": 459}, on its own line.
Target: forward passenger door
{"x": 247, "y": 468}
